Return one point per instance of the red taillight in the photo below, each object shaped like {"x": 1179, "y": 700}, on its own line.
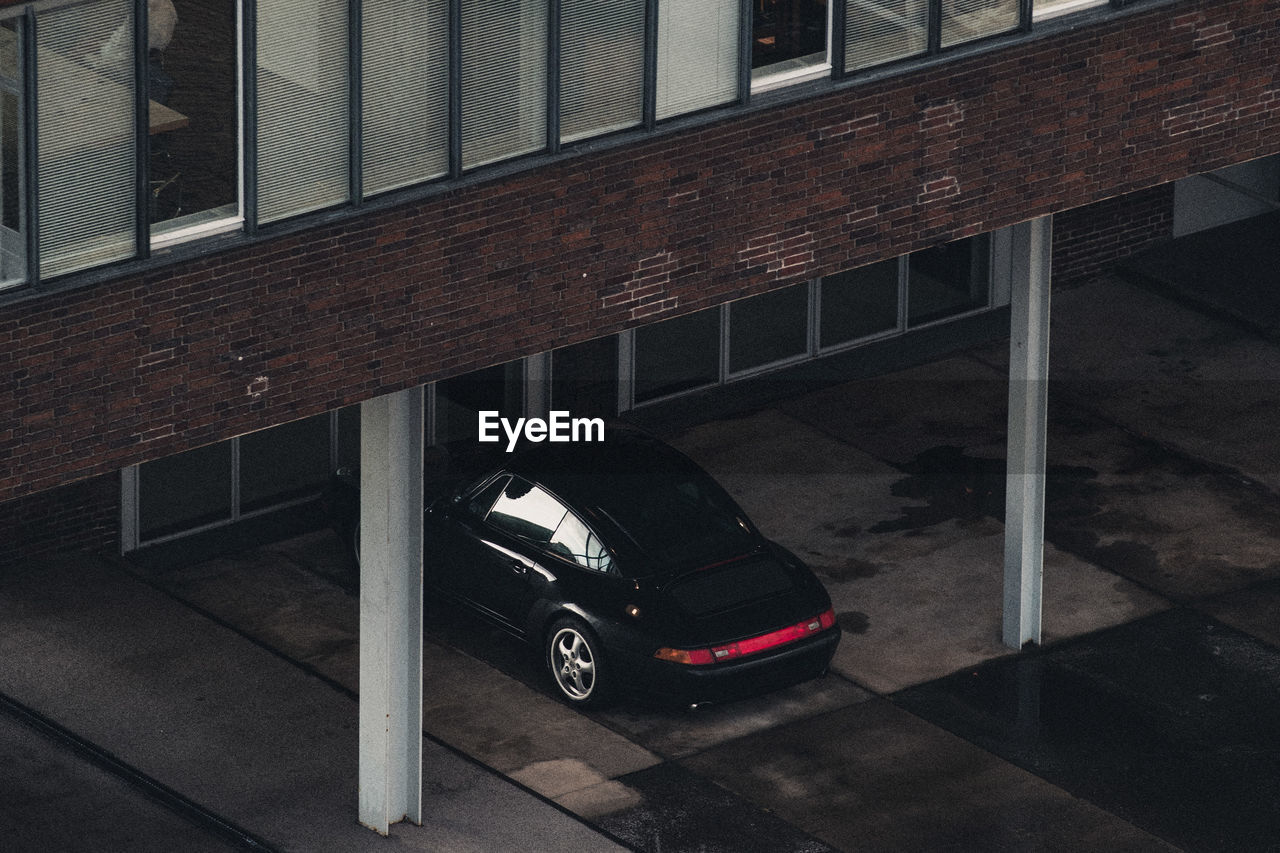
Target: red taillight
{"x": 751, "y": 646}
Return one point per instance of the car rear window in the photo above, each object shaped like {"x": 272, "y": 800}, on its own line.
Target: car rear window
{"x": 726, "y": 587}
{"x": 681, "y": 520}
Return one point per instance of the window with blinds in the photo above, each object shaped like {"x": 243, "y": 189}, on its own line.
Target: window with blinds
{"x": 404, "y": 92}
{"x": 303, "y": 143}
{"x": 86, "y": 138}
{"x": 879, "y": 31}
{"x": 601, "y": 66}
{"x": 698, "y": 46}
{"x": 504, "y": 79}
{"x": 966, "y": 20}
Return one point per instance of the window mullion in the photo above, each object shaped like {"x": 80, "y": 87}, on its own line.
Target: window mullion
{"x": 455, "y": 88}
{"x": 553, "y": 76}
{"x": 836, "y": 52}
{"x": 935, "y": 26}
{"x": 30, "y": 139}
{"x": 649, "y": 109}
{"x": 355, "y": 103}
{"x": 142, "y": 130}
{"x": 249, "y": 75}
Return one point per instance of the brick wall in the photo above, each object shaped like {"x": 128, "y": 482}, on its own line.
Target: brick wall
{"x": 1092, "y": 239}
{"x": 82, "y": 516}
{"x": 253, "y": 335}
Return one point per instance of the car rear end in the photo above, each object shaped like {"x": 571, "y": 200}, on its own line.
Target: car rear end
{"x": 746, "y": 626}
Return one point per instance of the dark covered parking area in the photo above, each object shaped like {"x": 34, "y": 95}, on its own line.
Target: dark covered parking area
{"x": 1143, "y": 722}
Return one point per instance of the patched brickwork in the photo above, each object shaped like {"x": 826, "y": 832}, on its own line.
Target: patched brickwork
{"x": 251, "y": 336}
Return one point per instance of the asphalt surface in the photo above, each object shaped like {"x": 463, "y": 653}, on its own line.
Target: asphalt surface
{"x": 1147, "y": 720}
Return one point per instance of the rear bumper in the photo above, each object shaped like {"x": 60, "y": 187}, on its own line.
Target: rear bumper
{"x": 773, "y": 670}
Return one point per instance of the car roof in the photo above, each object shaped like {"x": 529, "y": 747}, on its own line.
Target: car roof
{"x": 591, "y": 474}
{"x": 613, "y": 484}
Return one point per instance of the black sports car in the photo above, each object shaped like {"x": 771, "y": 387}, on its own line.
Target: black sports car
{"x": 633, "y": 570}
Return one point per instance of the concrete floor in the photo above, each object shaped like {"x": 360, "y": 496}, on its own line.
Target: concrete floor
{"x": 1162, "y": 588}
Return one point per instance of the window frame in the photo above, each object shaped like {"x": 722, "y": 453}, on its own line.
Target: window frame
{"x": 767, "y": 82}
{"x": 996, "y": 297}
{"x": 237, "y": 221}
{"x": 247, "y": 218}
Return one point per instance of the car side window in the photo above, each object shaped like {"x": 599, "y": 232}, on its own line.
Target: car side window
{"x": 575, "y": 541}
{"x": 484, "y": 499}
{"x": 525, "y": 510}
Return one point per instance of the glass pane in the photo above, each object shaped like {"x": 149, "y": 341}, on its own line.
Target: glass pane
{"x": 405, "y": 86}
{"x": 184, "y": 491}
{"x": 697, "y": 54}
{"x": 948, "y": 280}
{"x": 768, "y": 328}
{"x": 584, "y": 378}
{"x": 459, "y": 400}
{"x": 504, "y": 79}
{"x": 788, "y": 35}
{"x": 677, "y": 355}
{"x": 573, "y": 540}
{"x": 302, "y": 106}
{"x": 601, "y": 66}
{"x": 192, "y": 70}
{"x": 86, "y": 145}
{"x": 858, "y": 303}
{"x": 965, "y": 20}
{"x": 879, "y": 31}
{"x": 284, "y": 462}
{"x": 526, "y": 511}
{"x": 13, "y": 249}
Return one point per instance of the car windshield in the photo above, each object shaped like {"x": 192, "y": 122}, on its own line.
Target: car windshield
{"x": 680, "y": 519}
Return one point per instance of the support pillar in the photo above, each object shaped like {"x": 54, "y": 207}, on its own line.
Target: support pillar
{"x": 391, "y": 456}
{"x": 1028, "y": 420}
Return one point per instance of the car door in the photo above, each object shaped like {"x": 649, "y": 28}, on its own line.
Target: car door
{"x": 481, "y": 563}
{"x": 517, "y": 537}
{"x": 503, "y": 544}
{"x": 520, "y": 531}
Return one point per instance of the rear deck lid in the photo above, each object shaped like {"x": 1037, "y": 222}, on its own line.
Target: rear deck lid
{"x": 731, "y": 585}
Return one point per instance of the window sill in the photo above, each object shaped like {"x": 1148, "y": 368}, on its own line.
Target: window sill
{"x": 788, "y": 74}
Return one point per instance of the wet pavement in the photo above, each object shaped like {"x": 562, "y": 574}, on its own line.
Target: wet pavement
{"x": 1169, "y": 722}
{"x": 1147, "y": 721}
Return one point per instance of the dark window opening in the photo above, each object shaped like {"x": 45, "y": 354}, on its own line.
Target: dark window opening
{"x": 948, "y": 280}
{"x": 788, "y": 34}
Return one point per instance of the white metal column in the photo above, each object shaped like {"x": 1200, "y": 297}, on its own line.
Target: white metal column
{"x": 391, "y": 451}
{"x": 1028, "y": 416}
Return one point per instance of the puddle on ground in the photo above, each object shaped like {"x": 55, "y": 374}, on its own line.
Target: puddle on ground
{"x": 1080, "y": 515}
{"x": 851, "y": 569}
{"x": 957, "y": 487}
{"x": 853, "y": 622}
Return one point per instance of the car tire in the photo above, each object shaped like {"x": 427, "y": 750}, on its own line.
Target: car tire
{"x": 577, "y": 667}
